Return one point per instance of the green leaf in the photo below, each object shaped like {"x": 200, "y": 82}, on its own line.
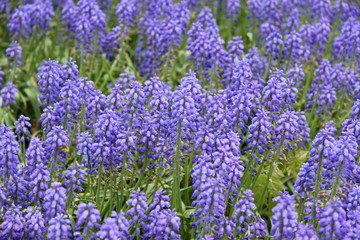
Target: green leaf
{"x": 250, "y": 36}
{"x": 296, "y": 161}
{"x": 188, "y": 212}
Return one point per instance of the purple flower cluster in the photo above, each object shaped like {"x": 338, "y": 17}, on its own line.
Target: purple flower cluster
{"x": 166, "y": 152}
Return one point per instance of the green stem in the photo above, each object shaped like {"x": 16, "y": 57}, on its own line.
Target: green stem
{"x": 176, "y": 197}
{"x": 257, "y": 176}
{"x": 81, "y": 61}
{"x": 98, "y": 185}
{"x": 289, "y": 60}
{"x": 301, "y": 206}
{"x": 268, "y": 67}
{"x": 112, "y": 189}
{"x": 337, "y": 181}
{"x": 317, "y": 185}
{"x": 270, "y": 173}
{"x": 146, "y": 163}
{"x": 122, "y": 182}
{"x": 187, "y": 169}
{"x": 93, "y": 55}
{"x": 53, "y": 168}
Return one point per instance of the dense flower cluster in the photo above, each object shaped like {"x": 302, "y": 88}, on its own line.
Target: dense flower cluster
{"x": 161, "y": 119}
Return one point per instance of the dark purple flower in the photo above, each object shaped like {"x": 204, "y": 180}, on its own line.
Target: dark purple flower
{"x": 13, "y": 223}
{"x": 70, "y": 70}
{"x": 332, "y": 220}
{"x": 22, "y": 125}
{"x": 137, "y": 213}
{"x": 210, "y": 205}
{"x": 322, "y": 31}
{"x": 305, "y": 231}
{"x": 35, "y": 224}
{"x": 75, "y": 177}
{"x": 54, "y": 201}
{"x": 273, "y": 45}
{"x": 114, "y": 227}
{"x": 88, "y": 219}
{"x": 111, "y": 43}
{"x": 292, "y": 127}
{"x": 306, "y": 180}
{"x": 8, "y": 95}
{"x": 258, "y": 229}
{"x": 243, "y": 212}
{"x": 292, "y": 47}
{"x": 68, "y": 15}
{"x": 232, "y": 9}
{"x": 59, "y": 228}
{"x": 90, "y": 24}
{"x": 50, "y": 82}
{"x": 39, "y": 179}
{"x": 296, "y": 73}
{"x": 19, "y": 23}
{"x": 236, "y": 48}
{"x": 259, "y": 132}
{"x": 14, "y": 54}
{"x": 284, "y": 219}
{"x": 41, "y": 14}
{"x": 320, "y": 9}
{"x": 9, "y": 150}
{"x": 127, "y": 12}
{"x": 5, "y": 8}
{"x": 164, "y": 225}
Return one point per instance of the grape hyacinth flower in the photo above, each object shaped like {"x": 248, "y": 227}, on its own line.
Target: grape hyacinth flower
{"x": 273, "y": 45}
{"x": 258, "y": 229}
{"x": 59, "y": 228}
{"x": 284, "y": 219}
{"x": 232, "y": 9}
{"x": 243, "y": 212}
{"x": 352, "y": 200}
{"x": 35, "y": 224}
{"x": 22, "y": 125}
{"x": 319, "y": 154}
{"x": 259, "y": 132}
{"x": 211, "y": 215}
{"x": 14, "y": 54}
{"x": 332, "y": 221}
{"x": 38, "y": 183}
{"x": 50, "y": 82}
{"x": 164, "y": 225}
{"x": 88, "y": 220}
{"x": 342, "y": 159}
{"x": 90, "y": 24}
{"x": 41, "y": 15}
{"x": 5, "y": 8}
{"x": 236, "y": 48}
{"x": 111, "y": 43}
{"x": 304, "y": 231}
{"x": 74, "y": 179}
{"x": 160, "y": 202}
{"x": 8, "y": 95}
{"x": 1, "y": 78}
{"x": 54, "y": 201}
{"x": 13, "y": 225}
{"x": 292, "y": 48}
{"x": 19, "y": 22}
{"x": 115, "y": 227}
{"x": 56, "y": 138}
{"x": 9, "y": 150}
{"x": 306, "y": 179}
{"x": 137, "y": 212}
{"x": 126, "y": 12}
{"x": 35, "y": 153}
